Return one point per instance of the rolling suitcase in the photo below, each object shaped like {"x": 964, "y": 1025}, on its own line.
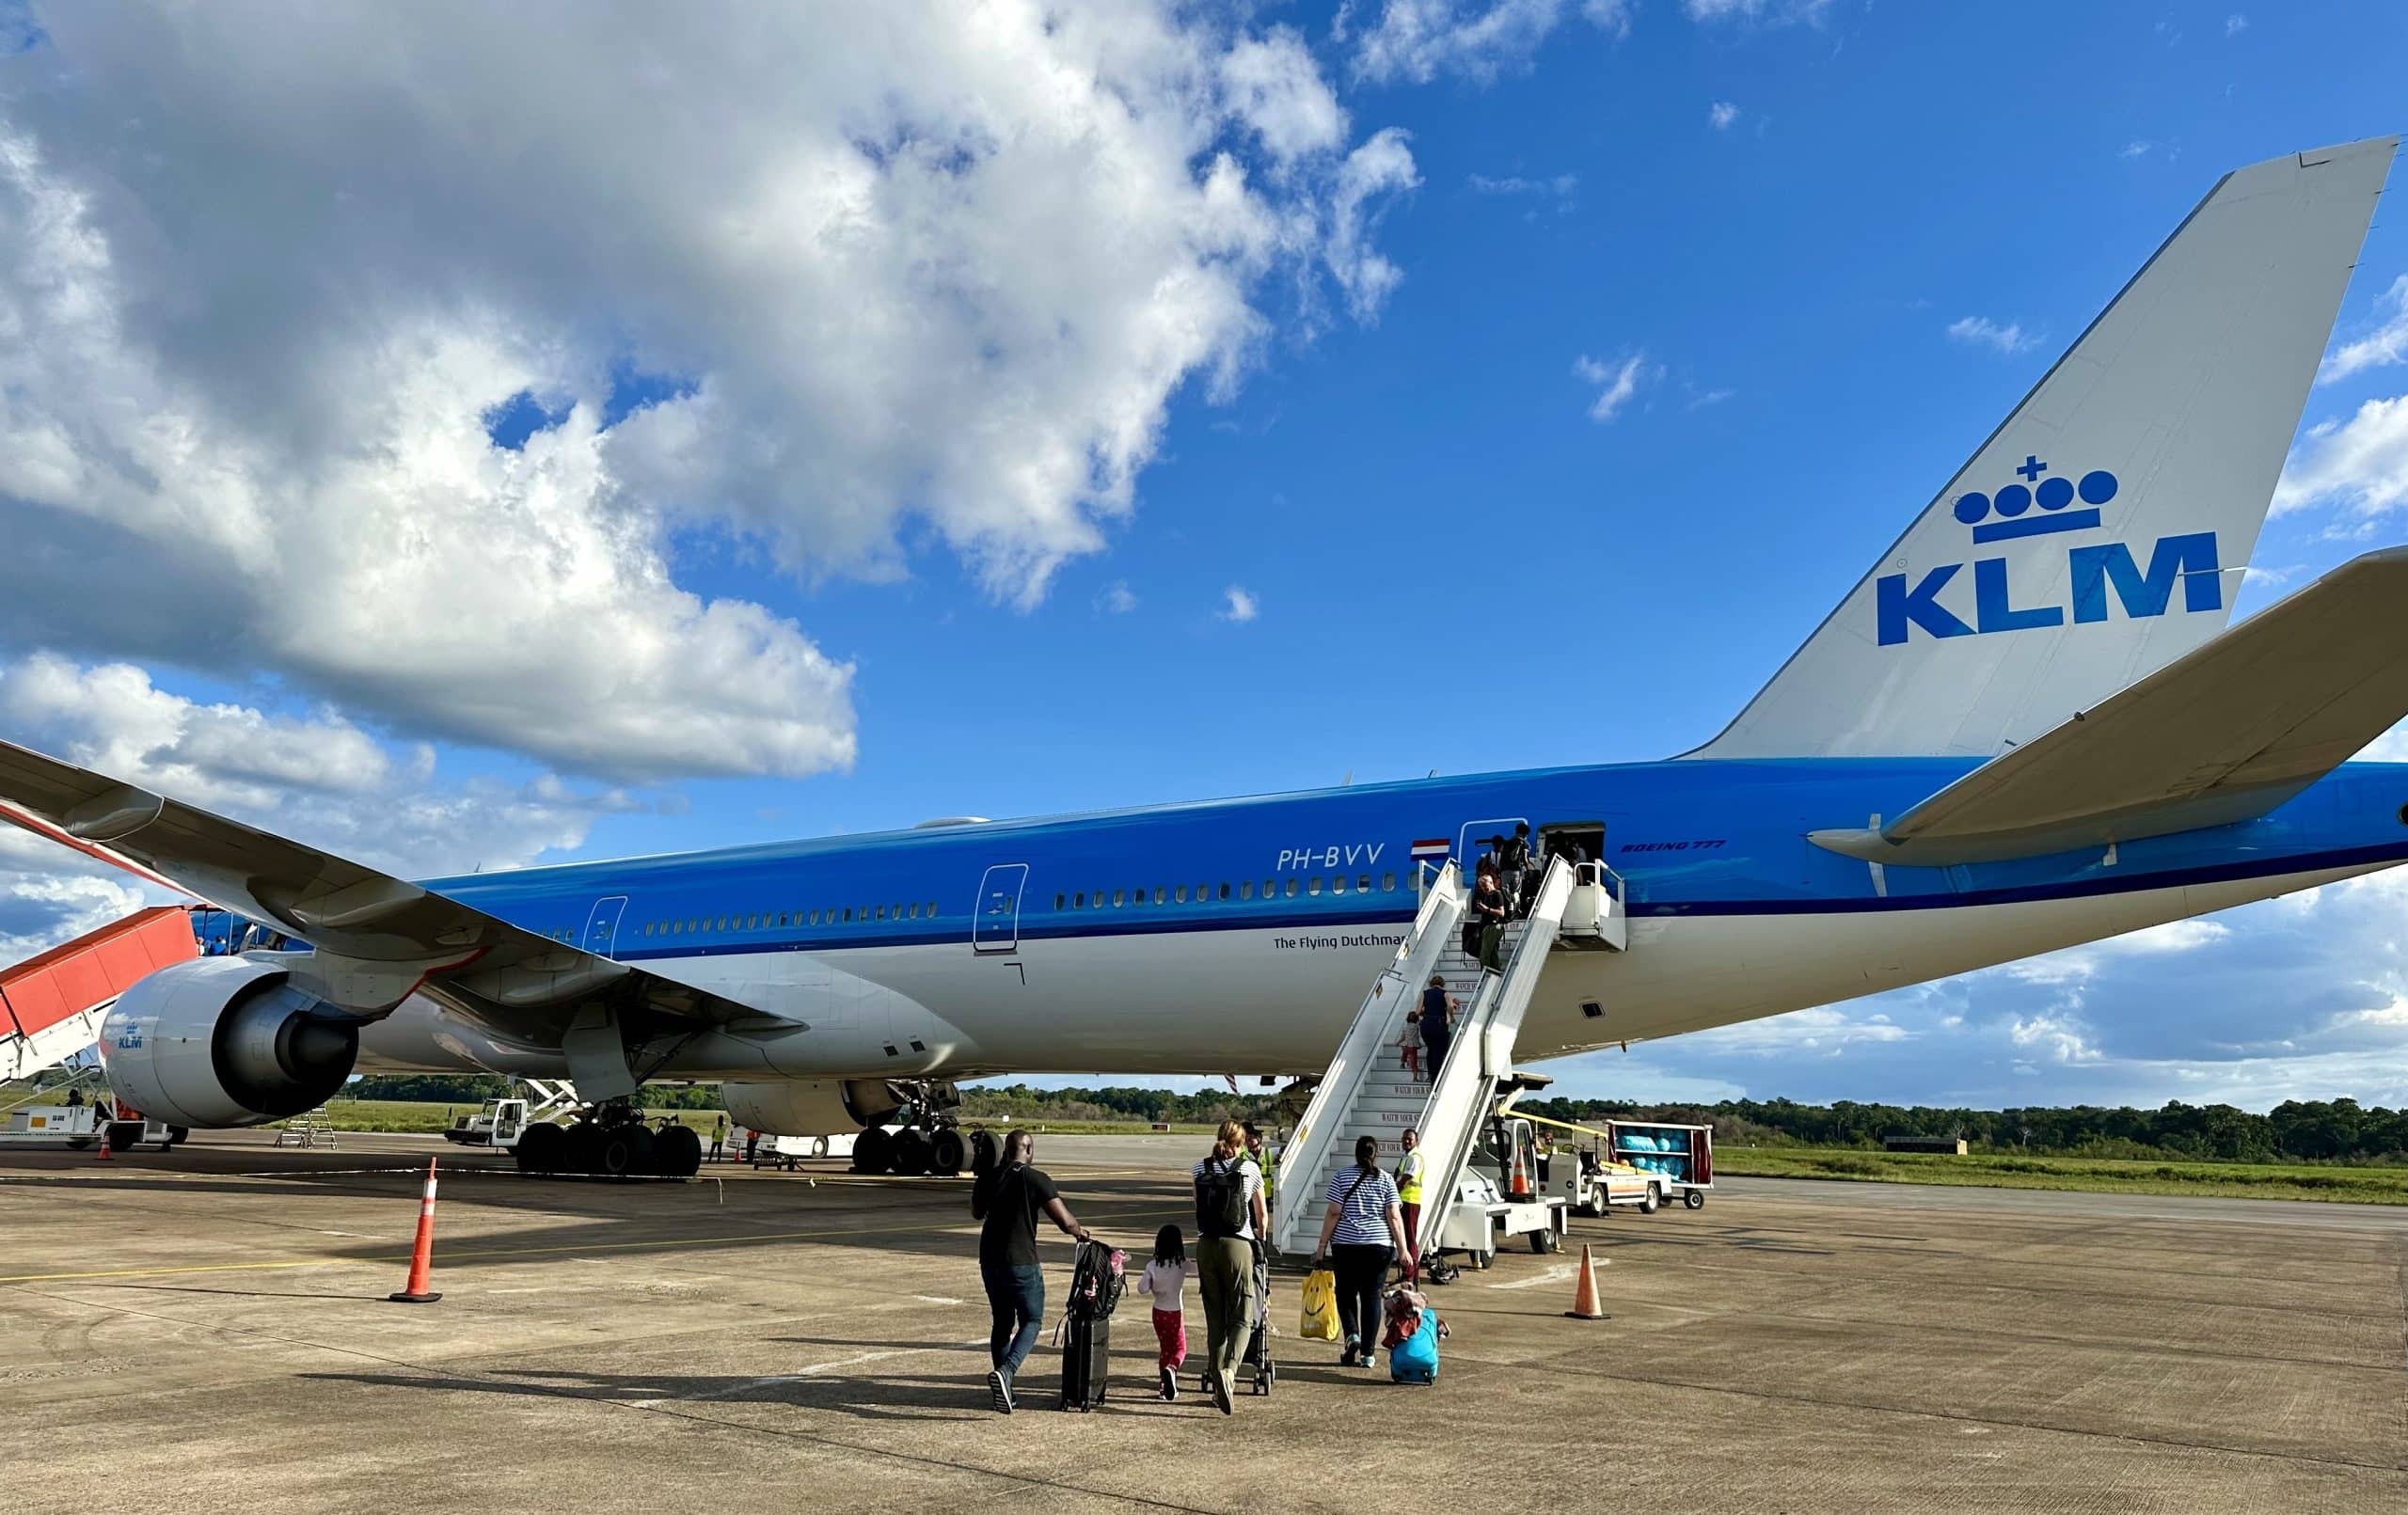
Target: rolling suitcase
{"x": 1087, "y": 1348}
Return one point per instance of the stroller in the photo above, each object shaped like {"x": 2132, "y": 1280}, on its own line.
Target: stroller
{"x": 1257, "y": 1358}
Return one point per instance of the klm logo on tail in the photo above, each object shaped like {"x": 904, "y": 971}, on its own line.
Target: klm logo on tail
{"x": 2043, "y": 507}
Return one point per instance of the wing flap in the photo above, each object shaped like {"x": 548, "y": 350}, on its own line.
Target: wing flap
{"x": 2225, "y": 734}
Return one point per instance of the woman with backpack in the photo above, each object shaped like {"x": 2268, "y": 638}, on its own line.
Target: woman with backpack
{"x": 1361, "y": 1233}
{"x": 1230, "y": 1216}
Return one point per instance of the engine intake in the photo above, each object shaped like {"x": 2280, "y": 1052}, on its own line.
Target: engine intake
{"x": 225, "y": 1041}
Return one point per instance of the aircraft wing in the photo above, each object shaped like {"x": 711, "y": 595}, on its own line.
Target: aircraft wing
{"x": 2227, "y": 731}
{"x": 377, "y": 937}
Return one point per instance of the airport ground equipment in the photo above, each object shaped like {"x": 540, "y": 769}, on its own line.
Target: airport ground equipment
{"x": 311, "y": 1127}
{"x": 1366, "y": 1091}
{"x": 762, "y": 1149}
{"x": 52, "y": 1004}
{"x": 1677, "y": 1161}
{"x": 80, "y": 1126}
{"x": 1582, "y": 1170}
{"x": 498, "y": 1124}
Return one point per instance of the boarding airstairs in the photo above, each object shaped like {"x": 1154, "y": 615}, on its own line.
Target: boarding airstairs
{"x": 51, "y": 1005}
{"x": 1368, "y": 1088}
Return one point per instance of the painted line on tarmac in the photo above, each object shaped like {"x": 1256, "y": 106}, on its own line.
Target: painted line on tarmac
{"x": 597, "y": 1248}
{"x": 1553, "y": 1275}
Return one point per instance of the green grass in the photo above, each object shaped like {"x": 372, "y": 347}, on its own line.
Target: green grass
{"x": 2252, "y": 1180}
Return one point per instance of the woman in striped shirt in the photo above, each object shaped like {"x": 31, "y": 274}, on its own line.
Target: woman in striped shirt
{"x": 1361, "y": 1235}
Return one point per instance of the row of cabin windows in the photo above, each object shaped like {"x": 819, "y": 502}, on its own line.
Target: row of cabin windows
{"x": 1203, "y": 893}
{"x": 788, "y": 920}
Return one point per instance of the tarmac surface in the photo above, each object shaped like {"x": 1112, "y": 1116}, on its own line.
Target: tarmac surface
{"x": 207, "y": 1331}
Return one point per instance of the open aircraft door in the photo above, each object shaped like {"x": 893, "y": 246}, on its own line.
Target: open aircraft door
{"x": 996, "y": 929}
{"x": 1477, "y": 836}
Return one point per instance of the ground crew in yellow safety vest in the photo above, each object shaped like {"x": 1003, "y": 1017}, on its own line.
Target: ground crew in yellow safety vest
{"x": 1260, "y": 1150}
{"x": 1408, "y": 1194}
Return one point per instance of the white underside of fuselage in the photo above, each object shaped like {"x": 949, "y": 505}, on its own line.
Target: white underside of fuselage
{"x": 1276, "y": 1002}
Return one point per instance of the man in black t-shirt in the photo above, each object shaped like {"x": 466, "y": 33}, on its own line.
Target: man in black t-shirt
{"x": 1007, "y": 1199}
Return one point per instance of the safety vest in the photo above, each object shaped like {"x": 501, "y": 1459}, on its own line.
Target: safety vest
{"x": 1408, "y": 1178}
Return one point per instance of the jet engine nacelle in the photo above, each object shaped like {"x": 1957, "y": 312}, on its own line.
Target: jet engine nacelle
{"x": 225, "y": 1041}
{"x": 810, "y": 1107}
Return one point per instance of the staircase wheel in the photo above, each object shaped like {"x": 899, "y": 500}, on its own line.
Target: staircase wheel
{"x": 947, "y": 1152}
{"x": 872, "y": 1150}
{"x": 677, "y": 1152}
{"x": 1542, "y": 1241}
{"x": 913, "y": 1152}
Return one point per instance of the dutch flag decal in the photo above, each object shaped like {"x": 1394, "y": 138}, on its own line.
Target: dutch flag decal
{"x": 1433, "y": 851}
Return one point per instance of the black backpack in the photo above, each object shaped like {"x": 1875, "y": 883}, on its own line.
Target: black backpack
{"x": 1220, "y": 1200}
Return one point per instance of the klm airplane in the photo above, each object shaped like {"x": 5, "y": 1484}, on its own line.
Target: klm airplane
{"x": 2028, "y": 726}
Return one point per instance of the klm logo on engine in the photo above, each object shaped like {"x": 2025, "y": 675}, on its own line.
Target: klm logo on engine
{"x": 2044, "y": 507}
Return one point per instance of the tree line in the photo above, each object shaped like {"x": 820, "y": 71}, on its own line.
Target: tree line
{"x": 2317, "y": 1130}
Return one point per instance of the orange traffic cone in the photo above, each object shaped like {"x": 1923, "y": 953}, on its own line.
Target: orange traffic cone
{"x": 1519, "y": 1186}
{"x": 101, "y": 1123}
{"x": 1584, "y": 1298}
{"x": 422, "y": 1254}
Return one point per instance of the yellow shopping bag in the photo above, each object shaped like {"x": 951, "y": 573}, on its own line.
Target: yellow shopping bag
{"x": 1320, "y": 1306}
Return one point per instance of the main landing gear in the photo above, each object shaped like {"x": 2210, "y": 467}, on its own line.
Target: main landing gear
{"x": 611, "y": 1140}
{"x": 923, "y": 1138}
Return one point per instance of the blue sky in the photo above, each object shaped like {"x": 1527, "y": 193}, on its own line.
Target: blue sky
{"x": 687, "y": 447}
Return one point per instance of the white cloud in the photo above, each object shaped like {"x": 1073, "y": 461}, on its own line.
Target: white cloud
{"x": 1722, "y": 114}
{"x": 1117, "y": 598}
{"x": 1775, "y": 12}
{"x": 899, "y": 274}
{"x": 2380, "y": 348}
{"x": 316, "y": 778}
{"x": 2235, "y": 24}
{"x": 1560, "y": 186}
{"x": 1371, "y": 176}
{"x": 2360, "y": 465}
{"x": 1416, "y": 41}
{"x": 1617, "y": 382}
{"x": 1238, "y": 606}
{"x": 1983, "y": 332}
{"x": 2136, "y": 149}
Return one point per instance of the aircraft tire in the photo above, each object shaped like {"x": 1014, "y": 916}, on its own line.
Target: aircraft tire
{"x": 541, "y": 1147}
{"x": 985, "y": 1151}
{"x": 913, "y": 1152}
{"x": 947, "y": 1152}
{"x": 625, "y": 1150}
{"x": 872, "y": 1150}
{"x": 677, "y": 1152}
{"x": 581, "y": 1148}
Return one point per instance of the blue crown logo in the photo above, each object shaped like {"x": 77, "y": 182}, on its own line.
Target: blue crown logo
{"x": 2051, "y": 495}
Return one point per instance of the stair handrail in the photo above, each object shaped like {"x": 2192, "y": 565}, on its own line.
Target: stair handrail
{"x": 1480, "y": 1055}
{"x": 1307, "y": 1152}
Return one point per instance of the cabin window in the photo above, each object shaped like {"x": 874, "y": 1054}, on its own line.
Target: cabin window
{"x": 1178, "y": 895}
{"x": 1291, "y": 888}
{"x": 1388, "y": 881}
{"x": 881, "y": 912}
{"x": 1119, "y": 897}
{"x": 1363, "y": 885}
{"x": 1098, "y": 903}
{"x": 1245, "y": 890}
{"x": 1060, "y": 901}
{"x": 1338, "y": 884}
{"x": 1079, "y": 900}
{"x": 1270, "y": 886}
{"x": 932, "y": 910}
{"x": 1314, "y": 886}
{"x": 1159, "y": 895}
{"x": 1225, "y": 892}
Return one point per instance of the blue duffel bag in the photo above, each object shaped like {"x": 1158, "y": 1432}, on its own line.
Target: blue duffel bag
{"x": 1415, "y": 1360}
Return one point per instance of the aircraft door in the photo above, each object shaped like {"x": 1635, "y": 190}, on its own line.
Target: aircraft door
{"x": 602, "y": 926}
{"x": 1477, "y": 837}
{"x": 996, "y": 928}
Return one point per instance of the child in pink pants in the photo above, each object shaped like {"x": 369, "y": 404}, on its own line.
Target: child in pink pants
{"x": 1165, "y": 1282}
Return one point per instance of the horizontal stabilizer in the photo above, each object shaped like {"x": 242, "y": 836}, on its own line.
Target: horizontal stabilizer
{"x": 2225, "y": 734}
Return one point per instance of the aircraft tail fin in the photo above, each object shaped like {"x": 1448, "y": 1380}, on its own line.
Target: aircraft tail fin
{"x": 2100, "y": 533}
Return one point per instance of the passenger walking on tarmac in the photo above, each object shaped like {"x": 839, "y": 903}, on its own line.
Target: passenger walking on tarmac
{"x": 1488, "y": 913}
{"x": 1408, "y": 1197}
{"x": 1008, "y": 1198}
{"x": 1437, "y": 1024}
{"x": 1229, "y": 1216}
{"x": 1164, "y": 1282}
{"x": 1361, "y": 1233}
